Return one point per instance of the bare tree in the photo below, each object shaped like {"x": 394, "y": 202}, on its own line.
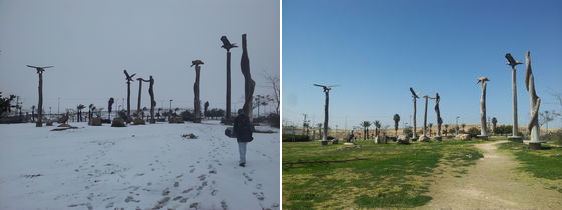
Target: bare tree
{"x": 274, "y": 81}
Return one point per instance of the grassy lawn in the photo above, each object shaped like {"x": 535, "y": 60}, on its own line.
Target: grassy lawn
{"x": 373, "y": 175}
{"x": 545, "y": 164}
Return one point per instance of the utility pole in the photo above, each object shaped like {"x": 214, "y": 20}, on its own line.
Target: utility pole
{"x": 58, "y": 106}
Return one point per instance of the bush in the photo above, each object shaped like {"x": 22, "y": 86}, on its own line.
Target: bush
{"x": 295, "y": 138}
{"x": 473, "y": 132}
{"x": 503, "y": 130}
{"x": 187, "y": 115}
{"x": 118, "y": 122}
{"x": 554, "y": 137}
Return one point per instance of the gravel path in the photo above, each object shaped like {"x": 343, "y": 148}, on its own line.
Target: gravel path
{"x": 492, "y": 183}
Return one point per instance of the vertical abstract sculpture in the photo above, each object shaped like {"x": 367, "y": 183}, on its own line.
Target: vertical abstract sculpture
{"x": 227, "y": 45}
{"x": 196, "y": 101}
{"x": 512, "y": 62}
{"x": 152, "y": 101}
{"x": 439, "y": 120}
{"x": 249, "y": 84}
{"x": 533, "y": 127}
{"x": 424, "y": 137}
{"x": 40, "y": 71}
{"x": 139, "y": 98}
{"x": 483, "y": 126}
{"x": 414, "y": 98}
{"x": 129, "y": 79}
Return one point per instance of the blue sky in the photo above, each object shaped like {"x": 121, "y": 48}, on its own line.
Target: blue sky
{"x": 376, "y": 50}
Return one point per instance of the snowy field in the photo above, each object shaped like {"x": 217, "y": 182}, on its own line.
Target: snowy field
{"x": 136, "y": 167}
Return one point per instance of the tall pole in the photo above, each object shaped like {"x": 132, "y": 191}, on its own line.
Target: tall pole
{"x": 170, "y": 111}
{"x": 415, "y": 135}
{"x": 425, "y": 117}
{"x": 514, "y": 92}
{"x": 58, "y": 106}
{"x": 228, "y": 87}
{"x": 39, "y": 122}
{"x": 324, "y": 138}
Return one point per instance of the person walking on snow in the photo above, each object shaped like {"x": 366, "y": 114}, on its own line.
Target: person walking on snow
{"x": 243, "y": 130}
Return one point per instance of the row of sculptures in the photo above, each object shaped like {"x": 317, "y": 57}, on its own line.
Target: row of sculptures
{"x": 249, "y": 86}
{"x": 533, "y": 128}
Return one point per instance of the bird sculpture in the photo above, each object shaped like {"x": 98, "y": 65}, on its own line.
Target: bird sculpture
{"x": 196, "y": 63}
{"x": 482, "y": 80}
{"x": 39, "y": 69}
{"x": 226, "y": 44}
{"x": 511, "y": 61}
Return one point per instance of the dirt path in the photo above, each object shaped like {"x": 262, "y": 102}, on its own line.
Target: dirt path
{"x": 492, "y": 184}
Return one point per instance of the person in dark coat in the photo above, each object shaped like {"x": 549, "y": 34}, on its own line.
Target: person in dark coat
{"x": 243, "y": 130}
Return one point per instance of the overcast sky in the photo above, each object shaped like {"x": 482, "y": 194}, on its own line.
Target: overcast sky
{"x": 91, "y": 42}
{"x": 377, "y": 49}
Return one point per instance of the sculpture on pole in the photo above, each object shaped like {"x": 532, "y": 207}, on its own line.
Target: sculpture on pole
{"x": 249, "y": 84}
{"x": 196, "y": 100}
{"x": 483, "y": 126}
{"x": 40, "y": 71}
{"x": 533, "y": 127}
{"x": 326, "y": 105}
{"x": 423, "y": 137}
{"x": 227, "y": 45}
{"x": 152, "y": 101}
{"x": 129, "y": 79}
{"x": 512, "y": 62}
{"x": 414, "y": 98}
{"x": 439, "y": 120}
{"x": 139, "y": 98}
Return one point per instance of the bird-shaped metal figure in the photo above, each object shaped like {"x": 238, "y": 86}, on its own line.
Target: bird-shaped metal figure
{"x": 39, "y": 69}
{"x": 326, "y": 88}
{"x": 196, "y": 63}
{"x": 511, "y": 61}
{"x": 482, "y": 80}
{"x": 414, "y": 94}
{"x": 226, "y": 44}
{"x": 128, "y": 77}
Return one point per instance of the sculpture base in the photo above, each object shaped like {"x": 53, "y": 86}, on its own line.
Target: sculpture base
{"x": 424, "y": 139}
{"x": 437, "y": 138}
{"x": 348, "y": 144}
{"x": 485, "y": 138}
{"x": 517, "y": 139}
{"x": 324, "y": 142}
{"x": 536, "y": 146}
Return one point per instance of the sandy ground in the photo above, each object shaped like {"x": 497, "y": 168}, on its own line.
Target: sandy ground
{"x": 492, "y": 183}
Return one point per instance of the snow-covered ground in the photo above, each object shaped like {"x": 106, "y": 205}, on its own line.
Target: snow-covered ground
{"x": 136, "y": 167}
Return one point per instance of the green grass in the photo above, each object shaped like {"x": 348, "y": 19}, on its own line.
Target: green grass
{"x": 545, "y": 163}
{"x": 372, "y": 176}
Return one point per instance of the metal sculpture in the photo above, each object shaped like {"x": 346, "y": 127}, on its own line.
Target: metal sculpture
{"x": 483, "y": 126}
{"x": 196, "y": 100}
{"x": 40, "y": 71}
{"x": 512, "y": 62}
{"x": 227, "y": 45}
{"x": 129, "y": 79}
{"x": 414, "y": 98}
{"x": 533, "y": 127}
{"x": 326, "y": 89}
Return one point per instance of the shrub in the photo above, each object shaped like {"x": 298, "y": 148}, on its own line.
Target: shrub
{"x": 118, "y": 122}
{"x": 295, "y": 138}
{"x": 408, "y": 132}
{"x": 554, "y": 137}
{"x": 187, "y": 115}
{"x": 473, "y": 132}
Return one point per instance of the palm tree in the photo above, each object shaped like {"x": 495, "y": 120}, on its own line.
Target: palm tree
{"x": 396, "y": 121}
{"x": 90, "y": 110}
{"x": 365, "y": 125}
{"x": 377, "y": 127}
{"x": 463, "y": 125}
{"x": 79, "y": 108}
{"x": 40, "y": 71}
{"x": 33, "y": 113}
{"x": 109, "y": 104}
{"x": 494, "y": 123}
{"x": 227, "y": 45}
